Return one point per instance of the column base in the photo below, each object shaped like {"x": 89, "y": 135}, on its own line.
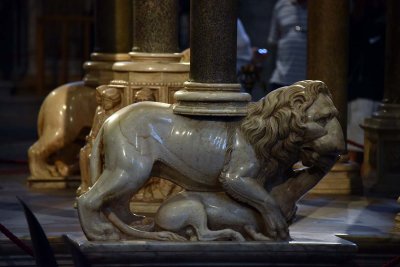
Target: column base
{"x": 211, "y": 99}
{"x": 343, "y": 179}
{"x": 381, "y": 166}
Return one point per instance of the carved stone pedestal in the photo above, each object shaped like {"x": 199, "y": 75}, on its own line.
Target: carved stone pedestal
{"x": 211, "y": 99}
{"x": 161, "y": 73}
{"x": 304, "y": 250}
{"x": 382, "y": 131}
{"x": 381, "y": 170}
{"x": 150, "y": 77}
{"x": 99, "y": 69}
{"x": 153, "y": 70}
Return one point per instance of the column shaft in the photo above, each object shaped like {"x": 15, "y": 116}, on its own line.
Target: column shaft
{"x": 155, "y": 26}
{"x": 392, "y": 67}
{"x": 328, "y": 34}
{"x": 382, "y": 131}
{"x": 328, "y": 49}
{"x": 213, "y": 41}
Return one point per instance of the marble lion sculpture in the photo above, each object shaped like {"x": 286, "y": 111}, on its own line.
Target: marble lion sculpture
{"x": 65, "y": 117}
{"x": 249, "y": 159}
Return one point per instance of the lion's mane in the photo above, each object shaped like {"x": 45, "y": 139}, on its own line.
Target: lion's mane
{"x": 275, "y": 125}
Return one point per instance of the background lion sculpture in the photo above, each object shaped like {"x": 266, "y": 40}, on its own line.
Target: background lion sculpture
{"x": 64, "y": 120}
{"x": 240, "y": 167}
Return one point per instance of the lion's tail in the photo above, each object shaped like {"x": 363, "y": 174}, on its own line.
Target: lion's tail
{"x": 95, "y": 157}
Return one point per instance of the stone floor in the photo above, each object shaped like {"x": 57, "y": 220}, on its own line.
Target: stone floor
{"x": 368, "y": 222}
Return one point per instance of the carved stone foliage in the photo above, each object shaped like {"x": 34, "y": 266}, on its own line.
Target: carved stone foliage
{"x": 237, "y": 172}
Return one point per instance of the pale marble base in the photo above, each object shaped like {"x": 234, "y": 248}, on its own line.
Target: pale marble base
{"x": 304, "y": 250}
{"x": 98, "y": 70}
{"x": 54, "y": 183}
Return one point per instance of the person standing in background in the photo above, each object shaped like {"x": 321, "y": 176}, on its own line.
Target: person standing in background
{"x": 288, "y": 41}
{"x": 244, "y": 52}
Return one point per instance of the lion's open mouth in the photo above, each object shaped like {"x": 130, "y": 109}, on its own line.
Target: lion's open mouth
{"x": 308, "y": 156}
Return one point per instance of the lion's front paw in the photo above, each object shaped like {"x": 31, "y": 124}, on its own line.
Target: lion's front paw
{"x": 42, "y": 171}
{"x": 109, "y": 232}
{"x": 62, "y": 168}
{"x": 53, "y": 171}
{"x": 286, "y": 205}
{"x": 276, "y": 225}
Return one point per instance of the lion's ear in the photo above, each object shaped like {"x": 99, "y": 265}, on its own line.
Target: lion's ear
{"x": 313, "y": 131}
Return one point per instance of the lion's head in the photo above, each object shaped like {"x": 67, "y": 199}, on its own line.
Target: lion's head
{"x": 284, "y": 126}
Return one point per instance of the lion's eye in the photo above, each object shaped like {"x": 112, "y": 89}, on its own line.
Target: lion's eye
{"x": 322, "y": 121}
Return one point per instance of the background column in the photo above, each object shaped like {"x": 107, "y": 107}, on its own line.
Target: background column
{"x": 381, "y": 166}
{"x": 328, "y": 34}
{"x": 113, "y": 40}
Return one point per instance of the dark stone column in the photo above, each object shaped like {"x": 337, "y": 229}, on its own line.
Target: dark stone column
{"x": 381, "y": 174}
{"x": 213, "y": 41}
{"x": 212, "y": 89}
{"x": 155, "y": 26}
{"x": 113, "y": 26}
{"x": 328, "y": 49}
{"x": 392, "y": 67}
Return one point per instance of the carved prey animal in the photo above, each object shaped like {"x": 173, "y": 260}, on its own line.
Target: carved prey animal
{"x": 212, "y": 216}
{"x": 250, "y": 159}
{"x": 65, "y": 116}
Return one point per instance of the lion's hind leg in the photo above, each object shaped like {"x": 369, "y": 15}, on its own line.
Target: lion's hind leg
{"x": 110, "y": 185}
{"x": 100, "y": 207}
{"x": 39, "y": 153}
